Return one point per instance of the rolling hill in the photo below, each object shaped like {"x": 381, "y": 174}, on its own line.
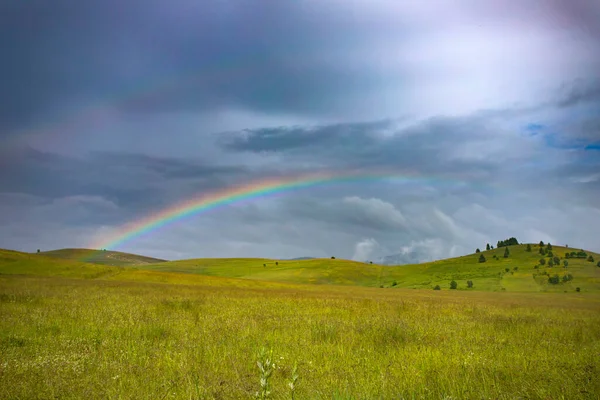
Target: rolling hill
{"x": 104, "y": 257}
{"x": 517, "y": 272}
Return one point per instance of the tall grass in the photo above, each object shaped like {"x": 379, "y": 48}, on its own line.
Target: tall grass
{"x": 79, "y": 338}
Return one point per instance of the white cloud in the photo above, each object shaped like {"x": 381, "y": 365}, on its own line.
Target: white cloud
{"x": 364, "y": 249}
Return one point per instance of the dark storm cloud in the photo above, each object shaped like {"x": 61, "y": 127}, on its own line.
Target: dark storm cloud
{"x": 581, "y": 92}
{"x": 155, "y": 56}
{"x": 133, "y": 181}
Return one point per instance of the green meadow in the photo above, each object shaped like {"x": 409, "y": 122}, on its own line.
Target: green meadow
{"x": 328, "y": 328}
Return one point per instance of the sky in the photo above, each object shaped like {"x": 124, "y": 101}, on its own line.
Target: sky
{"x": 111, "y": 112}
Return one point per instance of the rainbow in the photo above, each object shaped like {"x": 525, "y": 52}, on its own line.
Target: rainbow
{"x": 254, "y": 190}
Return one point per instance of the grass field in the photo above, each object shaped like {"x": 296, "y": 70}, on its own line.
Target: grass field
{"x": 74, "y": 330}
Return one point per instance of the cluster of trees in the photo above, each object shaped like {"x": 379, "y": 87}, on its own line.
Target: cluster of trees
{"x": 578, "y": 254}
{"x": 508, "y": 242}
{"x": 454, "y": 285}
{"x": 555, "y": 279}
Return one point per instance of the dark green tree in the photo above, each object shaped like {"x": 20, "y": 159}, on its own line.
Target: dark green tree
{"x": 469, "y": 284}
{"x": 38, "y": 250}
{"x": 453, "y": 285}
{"x": 332, "y": 257}
{"x": 506, "y": 269}
{"x": 481, "y": 258}
{"x": 528, "y": 248}
{"x": 590, "y": 259}
{"x": 506, "y": 253}
{"x": 541, "y": 243}
{"x": 550, "y": 263}
{"x": 276, "y": 262}
{"x": 542, "y": 261}
{"x": 542, "y": 251}
{"x": 578, "y": 289}
{"x": 477, "y": 250}
{"x": 598, "y": 265}
{"x": 556, "y": 260}
{"x": 565, "y": 263}
{"x": 549, "y": 247}
{"x": 487, "y": 246}
{"x": 437, "y": 287}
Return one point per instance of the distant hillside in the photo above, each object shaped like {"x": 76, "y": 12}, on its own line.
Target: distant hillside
{"x": 115, "y": 258}
{"x": 520, "y": 271}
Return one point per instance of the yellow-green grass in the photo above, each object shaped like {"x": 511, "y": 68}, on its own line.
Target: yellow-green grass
{"x": 129, "y": 333}
{"x": 489, "y": 276}
{"x": 81, "y": 338}
{"x": 105, "y": 257}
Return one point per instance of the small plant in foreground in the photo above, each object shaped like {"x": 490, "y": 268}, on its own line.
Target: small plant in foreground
{"x": 437, "y": 287}
{"x": 453, "y": 285}
{"x": 293, "y": 380}
{"x": 265, "y": 365}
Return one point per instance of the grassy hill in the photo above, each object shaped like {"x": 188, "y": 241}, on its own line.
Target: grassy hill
{"x": 517, "y": 272}
{"x": 115, "y": 258}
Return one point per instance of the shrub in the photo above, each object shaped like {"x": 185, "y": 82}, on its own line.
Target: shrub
{"x": 528, "y": 248}
{"x": 550, "y": 263}
{"x": 590, "y": 259}
{"x": 506, "y": 252}
{"x": 598, "y": 265}
{"x": 542, "y": 261}
{"x": 477, "y": 250}
{"x": 567, "y": 277}
{"x": 437, "y": 287}
{"x": 481, "y": 258}
{"x": 264, "y": 265}
{"x": 276, "y": 262}
{"x": 453, "y": 285}
{"x": 565, "y": 263}
{"x": 332, "y": 257}
{"x": 487, "y": 246}
{"x": 549, "y": 247}
{"x": 516, "y": 268}
{"x": 38, "y": 250}
{"x": 469, "y": 284}
{"x": 567, "y": 255}
{"x": 578, "y": 289}
{"x": 542, "y": 251}
{"x": 536, "y": 267}
{"x": 554, "y": 280}
{"x": 541, "y": 243}
{"x": 394, "y": 283}
{"x": 506, "y": 269}
{"x": 556, "y": 260}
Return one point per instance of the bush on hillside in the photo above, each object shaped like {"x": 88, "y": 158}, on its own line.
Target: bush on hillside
{"x": 556, "y": 260}
{"x": 469, "y": 284}
{"x": 549, "y": 247}
{"x": 542, "y": 261}
{"x": 567, "y": 277}
{"x": 568, "y": 255}
{"x": 565, "y": 263}
{"x": 487, "y": 246}
{"x": 506, "y": 253}
{"x": 598, "y": 265}
{"x": 541, "y": 243}
{"x": 506, "y": 269}
{"x": 590, "y": 259}
{"x": 578, "y": 289}
{"x": 332, "y": 257}
{"x": 481, "y": 258}
{"x": 477, "y": 250}
{"x": 528, "y": 248}
{"x": 437, "y": 287}
{"x": 542, "y": 251}
{"x": 554, "y": 279}
{"x": 550, "y": 263}
{"x": 516, "y": 268}
{"x": 453, "y": 285}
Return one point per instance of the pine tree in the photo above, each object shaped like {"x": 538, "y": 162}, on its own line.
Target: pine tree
{"x": 487, "y": 247}
{"x": 506, "y": 253}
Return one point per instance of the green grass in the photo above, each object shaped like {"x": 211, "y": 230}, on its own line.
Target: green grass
{"x": 129, "y": 333}
{"x": 114, "y": 258}
{"x": 488, "y": 276}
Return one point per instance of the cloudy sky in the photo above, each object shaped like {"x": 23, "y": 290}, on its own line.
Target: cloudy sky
{"x": 112, "y": 111}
